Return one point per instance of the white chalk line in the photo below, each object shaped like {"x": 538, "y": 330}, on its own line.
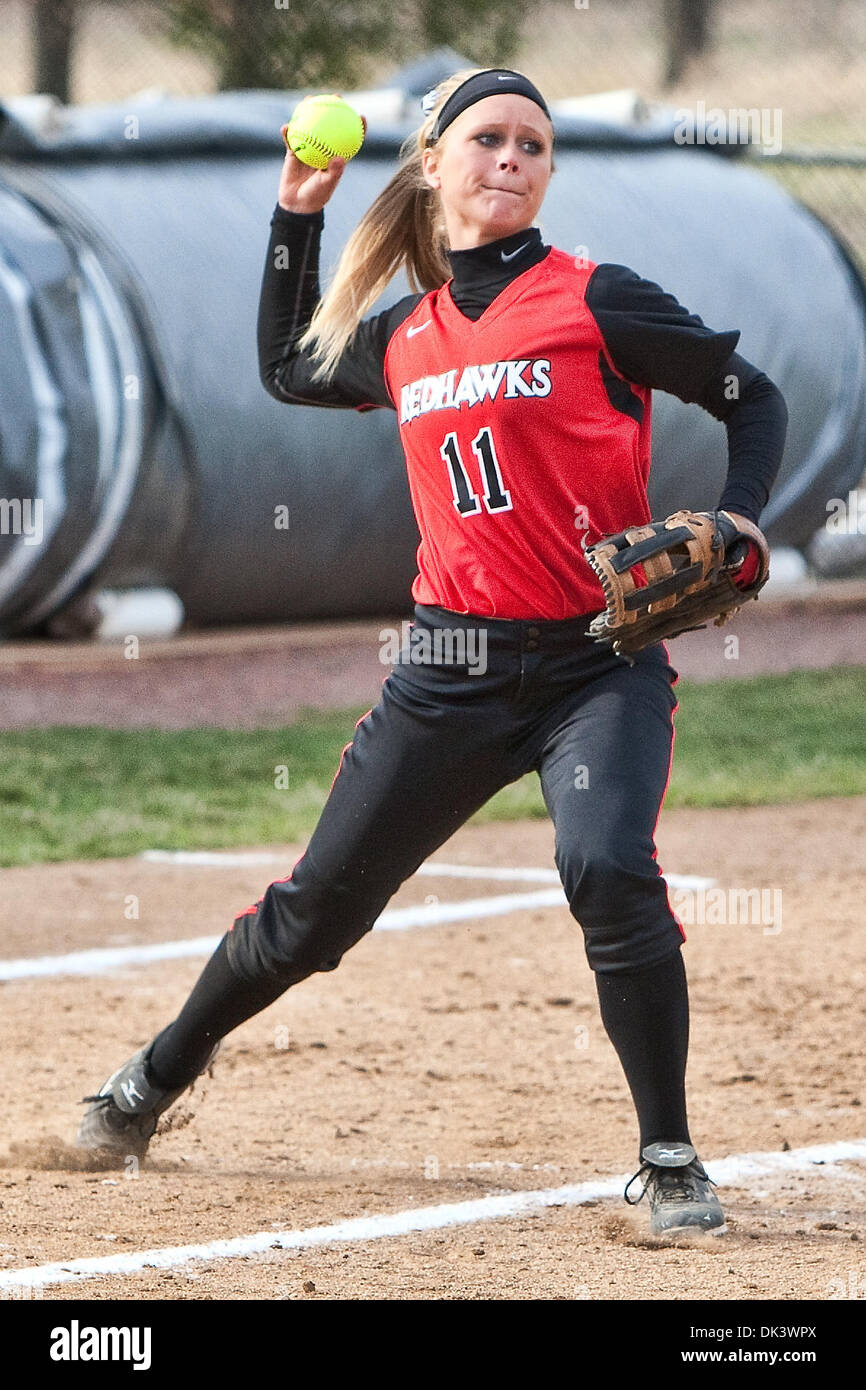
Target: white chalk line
{"x": 229, "y": 859}
{"x": 94, "y": 962}
{"x": 103, "y": 958}
{"x": 100, "y": 959}
{"x": 431, "y": 868}
{"x": 732, "y": 1171}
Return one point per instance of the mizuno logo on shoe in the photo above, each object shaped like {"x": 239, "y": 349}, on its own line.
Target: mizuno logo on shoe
{"x": 410, "y": 332}
{"x": 130, "y": 1094}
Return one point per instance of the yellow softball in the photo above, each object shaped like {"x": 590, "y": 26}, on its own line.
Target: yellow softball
{"x": 324, "y": 126}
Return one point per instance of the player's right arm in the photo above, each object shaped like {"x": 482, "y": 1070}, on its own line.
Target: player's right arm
{"x": 290, "y": 293}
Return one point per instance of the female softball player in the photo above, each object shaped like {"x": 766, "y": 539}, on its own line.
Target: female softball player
{"x": 522, "y": 381}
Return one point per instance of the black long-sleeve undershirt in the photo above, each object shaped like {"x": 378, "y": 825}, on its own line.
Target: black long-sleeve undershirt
{"x": 650, "y": 338}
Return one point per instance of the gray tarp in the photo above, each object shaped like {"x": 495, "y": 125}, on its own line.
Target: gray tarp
{"x": 130, "y": 401}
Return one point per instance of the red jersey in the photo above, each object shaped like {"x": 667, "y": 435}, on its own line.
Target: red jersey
{"x": 514, "y": 449}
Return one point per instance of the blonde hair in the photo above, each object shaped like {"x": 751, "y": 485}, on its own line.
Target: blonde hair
{"x": 405, "y": 226}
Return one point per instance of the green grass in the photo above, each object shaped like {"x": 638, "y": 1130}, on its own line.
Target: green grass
{"x": 753, "y": 742}
{"x": 69, "y": 793}
{"x": 79, "y": 793}
{"x": 771, "y": 739}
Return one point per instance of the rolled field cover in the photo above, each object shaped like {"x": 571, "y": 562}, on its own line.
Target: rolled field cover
{"x": 133, "y": 421}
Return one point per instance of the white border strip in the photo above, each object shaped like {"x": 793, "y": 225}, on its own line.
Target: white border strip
{"x": 729, "y": 1171}
{"x": 120, "y": 420}
{"x": 52, "y": 434}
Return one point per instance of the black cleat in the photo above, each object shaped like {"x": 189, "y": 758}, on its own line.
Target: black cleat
{"x": 122, "y": 1118}
{"x": 680, "y": 1192}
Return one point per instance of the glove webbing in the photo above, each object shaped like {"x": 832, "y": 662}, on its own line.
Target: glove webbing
{"x": 674, "y": 560}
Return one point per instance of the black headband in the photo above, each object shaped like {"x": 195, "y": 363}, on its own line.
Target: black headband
{"x": 491, "y": 82}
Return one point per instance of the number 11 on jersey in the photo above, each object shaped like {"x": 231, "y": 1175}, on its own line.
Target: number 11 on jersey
{"x": 496, "y": 496}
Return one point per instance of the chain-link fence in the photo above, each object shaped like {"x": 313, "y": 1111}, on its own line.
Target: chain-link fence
{"x": 794, "y": 70}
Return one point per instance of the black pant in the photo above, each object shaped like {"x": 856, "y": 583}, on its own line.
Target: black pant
{"x": 472, "y": 704}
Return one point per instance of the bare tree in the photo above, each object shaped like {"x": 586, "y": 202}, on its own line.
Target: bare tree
{"x": 52, "y": 36}
{"x": 278, "y": 43}
{"x": 688, "y": 34}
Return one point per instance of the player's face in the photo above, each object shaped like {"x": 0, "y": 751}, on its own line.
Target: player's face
{"x": 491, "y": 167}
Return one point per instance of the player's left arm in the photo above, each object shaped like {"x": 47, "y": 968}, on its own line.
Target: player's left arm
{"x": 652, "y": 340}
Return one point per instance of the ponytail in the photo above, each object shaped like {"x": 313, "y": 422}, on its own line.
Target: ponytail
{"x": 403, "y": 227}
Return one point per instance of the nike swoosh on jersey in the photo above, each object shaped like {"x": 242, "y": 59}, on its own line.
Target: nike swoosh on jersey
{"x": 410, "y": 332}
{"x": 509, "y": 256}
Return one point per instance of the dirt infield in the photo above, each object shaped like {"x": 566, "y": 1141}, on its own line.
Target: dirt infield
{"x": 442, "y": 1064}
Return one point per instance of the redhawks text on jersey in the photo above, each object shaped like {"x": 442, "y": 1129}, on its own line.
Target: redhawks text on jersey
{"x": 483, "y": 381}
{"x": 521, "y": 439}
